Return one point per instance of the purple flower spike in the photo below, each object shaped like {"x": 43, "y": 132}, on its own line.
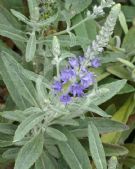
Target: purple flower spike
{"x": 65, "y": 99}
{"x": 57, "y": 86}
{"x": 73, "y": 62}
{"x": 95, "y": 62}
{"x": 87, "y": 80}
{"x": 67, "y": 74}
{"x": 77, "y": 90}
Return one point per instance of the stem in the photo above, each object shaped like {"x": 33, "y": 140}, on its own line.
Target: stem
{"x": 73, "y": 27}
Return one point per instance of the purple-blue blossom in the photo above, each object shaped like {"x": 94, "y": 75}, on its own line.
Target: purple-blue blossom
{"x": 76, "y": 90}
{"x": 65, "y": 99}
{"x": 75, "y": 78}
{"x": 95, "y": 62}
{"x": 74, "y": 62}
{"x": 67, "y": 74}
{"x": 87, "y": 80}
{"x": 57, "y": 86}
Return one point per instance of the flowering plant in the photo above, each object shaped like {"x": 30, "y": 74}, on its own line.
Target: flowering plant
{"x": 56, "y": 85}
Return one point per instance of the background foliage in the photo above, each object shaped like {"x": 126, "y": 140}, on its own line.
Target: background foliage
{"x": 38, "y": 132}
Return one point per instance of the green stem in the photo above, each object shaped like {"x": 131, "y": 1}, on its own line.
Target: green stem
{"x": 73, "y": 27}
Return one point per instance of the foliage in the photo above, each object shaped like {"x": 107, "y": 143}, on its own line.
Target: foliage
{"x": 69, "y": 70}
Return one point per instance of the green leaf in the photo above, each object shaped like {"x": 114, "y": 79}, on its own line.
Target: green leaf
{"x": 10, "y": 84}
{"x": 96, "y": 147}
{"x": 123, "y": 22}
{"x": 127, "y": 89}
{"x": 129, "y": 12}
{"x": 73, "y": 152}
{"x": 7, "y": 128}
{"x": 33, "y": 9}
{"x": 11, "y": 153}
{"x": 85, "y": 30}
{"x": 75, "y": 7}
{"x": 95, "y": 109}
{"x": 12, "y": 33}
{"x": 119, "y": 71}
{"x": 121, "y": 115}
{"x": 114, "y": 150}
{"x": 44, "y": 162}
{"x": 31, "y": 47}
{"x": 20, "y": 16}
{"x": 129, "y": 40}
{"x": 24, "y": 87}
{"x": 13, "y": 115}
{"x": 27, "y": 125}
{"x": 107, "y": 91}
{"x": 5, "y": 140}
{"x": 103, "y": 125}
{"x": 56, "y": 134}
{"x": 30, "y": 152}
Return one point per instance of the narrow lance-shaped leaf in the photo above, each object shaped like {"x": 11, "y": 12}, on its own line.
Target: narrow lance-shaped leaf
{"x": 20, "y": 16}
{"x": 44, "y": 162}
{"x": 31, "y": 47}
{"x": 73, "y": 152}
{"x": 33, "y": 9}
{"x": 30, "y": 152}
{"x": 96, "y": 147}
{"x": 56, "y": 134}
{"x": 12, "y": 33}
{"x": 27, "y": 125}
{"x": 121, "y": 115}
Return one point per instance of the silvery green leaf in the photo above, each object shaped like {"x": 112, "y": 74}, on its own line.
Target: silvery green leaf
{"x": 5, "y": 140}
{"x": 28, "y": 124}
{"x": 107, "y": 91}
{"x": 20, "y": 16}
{"x": 22, "y": 85}
{"x": 44, "y": 162}
{"x": 33, "y": 9}
{"x": 103, "y": 125}
{"x": 123, "y": 23}
{"x": 56, "y": 47}
{"x": 31, "y": 110}
{"x": 31, "y": 47}
{"x": 112, "y": 164}
{"x": 95, "y": 109}
{"x": 96, "y": 147}
{"x": 65, "y": 122}
{"x": 11, "y": 153}
{"x": 13, "y": 115}
{"x": 73, "y": 152}
{"x": 41, "y": 91}
{"x": 30, "y": 152}
{"x": 12, "y": 33}
{"x": 56, "y": 134}
{"x": 7, "y": 128}
{"x": 33, "y": 76}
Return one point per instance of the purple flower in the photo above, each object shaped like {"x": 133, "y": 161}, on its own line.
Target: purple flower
{"x": 57, "y": 86}
{"x": 87, "y": 80}
{"x": 67, "y": 74}
{"x": 77, "y": 90}
{"x": 81, "y": 59}
{"x": 65, "y": 99}
{"x": 73, "y": 62}
{"x": 95, "y": 62}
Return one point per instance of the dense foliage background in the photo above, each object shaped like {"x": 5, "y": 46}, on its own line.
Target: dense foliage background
{"x": 36, "y": 130}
